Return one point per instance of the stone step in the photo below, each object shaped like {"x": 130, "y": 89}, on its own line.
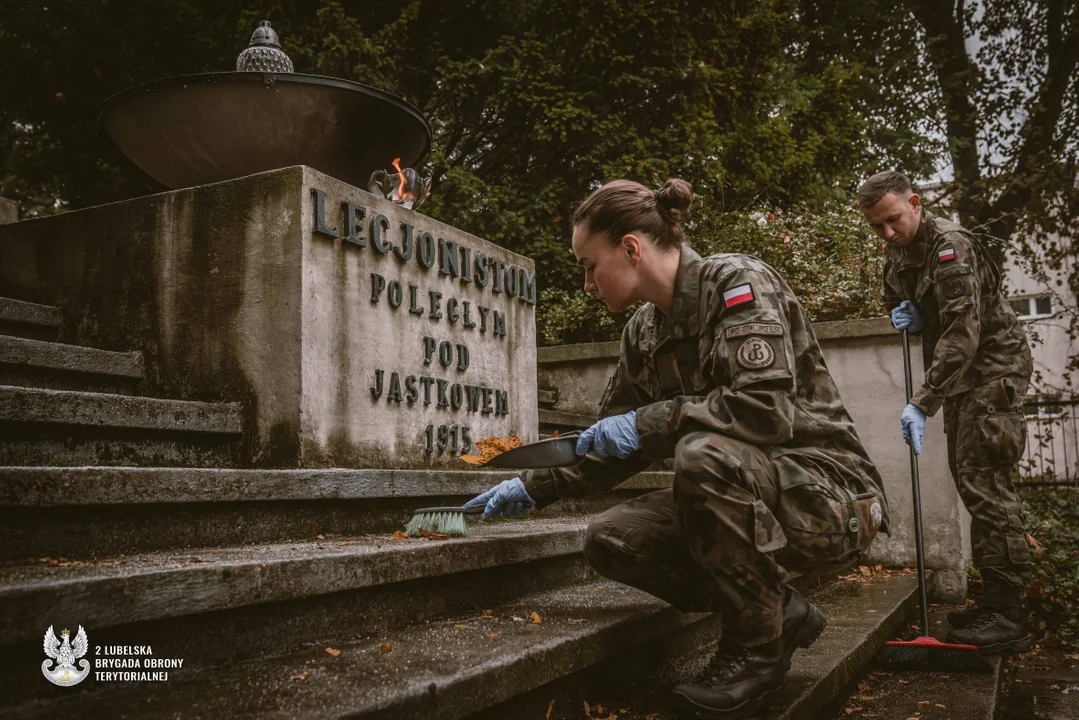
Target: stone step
{"x": 59, "y": 366}
{"x": 64, "y": 427}
{"x": 27, "y": 319}
{"x": 215, "y": 606}
{"x": 861, "y": 616}
{"x": 447, "y": 668}
{"x": 929, "y": 693}
{"x": 111, "y": 510}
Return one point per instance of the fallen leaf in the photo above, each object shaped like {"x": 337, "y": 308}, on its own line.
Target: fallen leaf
{"x": 596, "y": 708}
{"x": 496, "y": 634}
{"x": 333, "y": 652}
{"x": 550, "y": 706}
{"x": 864, "y": 698}
{"x": 486, "y": 617}
{"x": 433, "y": 535}
{"x": 924, "y": 702}
{"x": 587, "y": 709}
{"x": 939, "y": 705}
{"x": 319, "y": 537}
{"x": 301, "y": 676}
{"x": 385, "y": 647}
{"x": 400, "y": 536}
{"x": 517, "y": 619}
{"x": 535, "y": 618}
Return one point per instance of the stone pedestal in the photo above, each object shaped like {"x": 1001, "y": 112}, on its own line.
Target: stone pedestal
{"x": 356, "y": 332}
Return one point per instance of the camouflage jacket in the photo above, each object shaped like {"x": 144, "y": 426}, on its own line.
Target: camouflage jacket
{"x": 971, "y": 335}
{"x": 737, "y": 356}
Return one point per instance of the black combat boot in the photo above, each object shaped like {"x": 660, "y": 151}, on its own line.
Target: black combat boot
{"x": 963, "y": 618}
{"x": 803, "y": 622}
{"x": 995, "y": 630}
{"x": 736, "y": 683}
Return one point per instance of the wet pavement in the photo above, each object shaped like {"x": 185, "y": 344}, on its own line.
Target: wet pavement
{"x": 1043, "y": 685}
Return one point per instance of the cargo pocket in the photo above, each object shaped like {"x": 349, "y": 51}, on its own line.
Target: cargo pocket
{"x": 1001, "y": 426}
{"x": 768, "y": 535}
{"x": 816, "y": 521}
{"x": 1018, "y": 550}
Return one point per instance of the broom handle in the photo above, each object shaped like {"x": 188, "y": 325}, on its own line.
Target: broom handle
{"x": 916, "y": 493}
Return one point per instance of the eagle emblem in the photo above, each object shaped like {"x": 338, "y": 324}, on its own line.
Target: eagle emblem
{"x": 65, "y": 655}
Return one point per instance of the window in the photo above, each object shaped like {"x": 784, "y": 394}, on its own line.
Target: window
{"x": 1032, "y": 307}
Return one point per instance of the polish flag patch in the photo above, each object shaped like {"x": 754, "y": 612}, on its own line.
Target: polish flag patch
{"x": 946, "y": 254}
{"x": 738, "y": 295}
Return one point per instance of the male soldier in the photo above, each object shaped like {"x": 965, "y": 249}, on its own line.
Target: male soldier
{"x": 721, "y": 371}
{"x": 939, "y": 279}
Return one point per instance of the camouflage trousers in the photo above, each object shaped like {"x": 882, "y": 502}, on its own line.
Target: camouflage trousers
{"x": 986, "y": 431}
{"x": 722, "y": 537}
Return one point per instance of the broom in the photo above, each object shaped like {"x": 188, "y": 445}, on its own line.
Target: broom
{"x": 926, "y": 652}
{"x": 443, "y": 520}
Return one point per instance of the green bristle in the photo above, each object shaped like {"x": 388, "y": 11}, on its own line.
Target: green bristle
{"x": 444, "y": 523}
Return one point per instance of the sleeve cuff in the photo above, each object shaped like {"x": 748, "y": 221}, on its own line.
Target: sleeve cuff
{"x": 654, "y": 430}
{"x": 926, "y": 401}
{"x": 540, "y": 486}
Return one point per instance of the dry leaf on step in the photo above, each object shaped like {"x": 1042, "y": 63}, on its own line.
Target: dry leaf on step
{"x": 333, "y": 652}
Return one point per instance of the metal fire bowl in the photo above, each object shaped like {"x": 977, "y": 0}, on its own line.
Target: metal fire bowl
{"x": 196, "y": 129}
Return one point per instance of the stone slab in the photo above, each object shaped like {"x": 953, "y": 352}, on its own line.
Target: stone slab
{"x": 57, "y": 486}
{"x": 448, "y": 668}
{"x": 37, "y": 405}
{"x": 28, "y": 313}
{"x": 154, "y": 586}
{"x": 69, "y": 358}
{"x": 9, "y": 211}
{"x": 298, "y": 295}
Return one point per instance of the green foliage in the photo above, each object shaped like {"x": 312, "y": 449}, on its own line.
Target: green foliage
{"x": 828, "y": 256}
{"x": 1053, "y": 520}
{"x": 533, "y": 103}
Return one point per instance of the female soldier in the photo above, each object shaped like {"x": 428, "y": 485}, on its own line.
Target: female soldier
{"x": 720, "y": 370}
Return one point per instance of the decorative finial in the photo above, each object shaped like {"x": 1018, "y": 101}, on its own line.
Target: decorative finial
{"x": 264, "y": 54}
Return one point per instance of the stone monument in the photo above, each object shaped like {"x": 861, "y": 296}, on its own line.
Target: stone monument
{"x": 356, "y": 331}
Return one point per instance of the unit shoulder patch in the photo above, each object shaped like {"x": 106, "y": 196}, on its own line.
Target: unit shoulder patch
{"x": 946, "y": 255}
{"x": 955, "y": 287}
{"x": 755, "y": 353}
{"x": 754, "y": 329}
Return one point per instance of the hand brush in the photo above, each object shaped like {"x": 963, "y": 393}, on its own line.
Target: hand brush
{"x": 926, "y": 652}
{"x": 443, "y": 520}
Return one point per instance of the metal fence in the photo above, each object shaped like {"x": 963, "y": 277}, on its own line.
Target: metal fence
{"x": 1052, "y": 452}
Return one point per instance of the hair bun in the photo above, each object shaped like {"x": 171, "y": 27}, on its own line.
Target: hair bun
{"x": 675, "y": 197}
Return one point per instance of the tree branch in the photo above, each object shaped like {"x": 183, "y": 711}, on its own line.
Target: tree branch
{"x": 1040, "y": 127}
{"x": 956, "y": 73}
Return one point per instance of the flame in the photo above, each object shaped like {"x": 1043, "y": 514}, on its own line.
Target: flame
{"x": 402, "y": 184}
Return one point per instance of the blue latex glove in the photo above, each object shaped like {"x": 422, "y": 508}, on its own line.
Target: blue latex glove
{"x": 614, "y": 436}
{"x": 506, "y": 499}
{"x": 905, "y": 315}
{"x": 913, "y": 420}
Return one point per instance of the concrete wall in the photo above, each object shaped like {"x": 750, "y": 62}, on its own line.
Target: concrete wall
{"x": 866, "y": 360}
{"x": 231, "y": 294}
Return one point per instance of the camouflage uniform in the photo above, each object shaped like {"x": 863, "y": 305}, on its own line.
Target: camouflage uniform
{"x": 979, "y": 367}
{"x": 768, "y": 470}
